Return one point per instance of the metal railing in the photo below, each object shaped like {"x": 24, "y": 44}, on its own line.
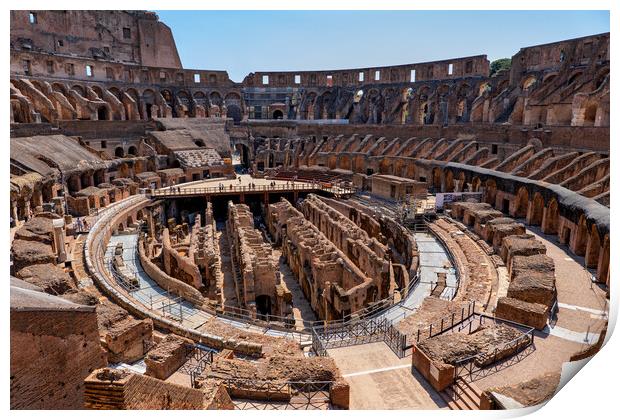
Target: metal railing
{"x": 198, "y": 358}
{"x": 291, "y": 187}
{"x": 259, "y": 394}
{"x": 455, "y": 319}
{"x": 360, "y": 332}
{"x": 507, "y": 354}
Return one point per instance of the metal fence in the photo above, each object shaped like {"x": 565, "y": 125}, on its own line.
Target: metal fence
{"x": 198, "y": 358}
{"x": 455, "y": 319}
{"x": 506, "y": 354}
{"x": 360, "y": 332}
{"x": 258, "y": 394}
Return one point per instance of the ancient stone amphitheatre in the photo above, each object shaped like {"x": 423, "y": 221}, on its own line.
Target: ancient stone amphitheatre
{"x": 431, "y": 235}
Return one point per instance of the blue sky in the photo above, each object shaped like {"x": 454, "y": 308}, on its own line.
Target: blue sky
{"x": 245, "y": 41}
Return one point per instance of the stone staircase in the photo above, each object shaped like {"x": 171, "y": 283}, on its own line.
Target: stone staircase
{"x": 463, "y": 395}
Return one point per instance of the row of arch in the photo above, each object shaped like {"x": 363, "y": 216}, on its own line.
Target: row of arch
{"x": 539, "y": 207}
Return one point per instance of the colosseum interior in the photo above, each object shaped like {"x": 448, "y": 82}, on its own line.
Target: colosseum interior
{"x": 183, "y": 241}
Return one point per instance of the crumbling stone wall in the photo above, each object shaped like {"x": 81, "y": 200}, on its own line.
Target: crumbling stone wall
{"x": 114, "y": 389}
{"x": 246, "y": 379}
{"x": 179, "y": 266}
{"x": 331, "y": 282}
{"x": 258, "y": 275}
{"x": 125, "y": 338}
{"x": 370, "y": 255}
{"x": 54, "y": 346}
{"x": 167, "y": 356}
{"x": 204, "y": 250}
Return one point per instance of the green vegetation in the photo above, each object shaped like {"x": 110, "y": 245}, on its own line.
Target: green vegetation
{"x": 500, "y": 64}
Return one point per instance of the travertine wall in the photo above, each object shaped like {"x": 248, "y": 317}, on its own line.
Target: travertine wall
{"x": 125, "y": 36}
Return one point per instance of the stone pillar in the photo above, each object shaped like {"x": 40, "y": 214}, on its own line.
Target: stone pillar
{"x": 14, "y": 212}
{"x": 37, "y": 198}
{"x": 150, "y": 223}
{"x": 26, "y": 209}
{"x": 59, "y": 239}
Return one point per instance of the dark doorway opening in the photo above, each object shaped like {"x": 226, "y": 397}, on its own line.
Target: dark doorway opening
{"x": 505, "y": 206}
{"x": 263, "y": 305}
{"x": 102, "y": 113}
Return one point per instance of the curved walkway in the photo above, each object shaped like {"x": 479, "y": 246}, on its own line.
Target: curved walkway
{"x": 151, "y": 298}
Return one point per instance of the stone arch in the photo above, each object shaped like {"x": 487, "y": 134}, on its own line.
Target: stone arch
{"x": 580, "y": 242}
{"x": 537, "y": 209}
{"x": 448, "y": 181}
{"x": 589, "y": 115}
{"x": 148, "y": 98}
{"x": 59, "y": 87}
{"x": 307, "y": 106}
{"x": 79, "y": 89}
{"x": 322, "y": 110}
{"x": 103, "y": 113}
{"x": 475, "y": 184}
{"x": 278, "y": 114}
{"x": 116, "y": 92}
{"x": 98, "y": 91}
{"x": 436, "y": 175}
{"x": 602, "y": 272}
{"x": 201, "y": 100}
{"x": 423, "y": 105}
{"x": 550, "y": 77}
{"x": 184, "y": 100}
{"x": 133, "y": 94}
{"x": 551, "y": 217}
{"x": 593, "y": 248}
{"x": 574, "y": 77}
{"x": 461, "y": 182}
{"x": 232, "y": 98}
{"x": 490, "y": 191}
{"x": 169, "y": 100}
{"x": 119, "y": 152}
{"x": 601, "y": 77}
{"x": 521, "y": 203}
{"x": 215, "y": 98}
{"x": 133, "y": 150}
{"x": 528, "y": 82}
